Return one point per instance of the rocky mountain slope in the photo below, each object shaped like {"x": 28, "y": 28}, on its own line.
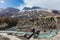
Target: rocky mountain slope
{"x": 27, "y": 18}
{"x": 8, "y": 12}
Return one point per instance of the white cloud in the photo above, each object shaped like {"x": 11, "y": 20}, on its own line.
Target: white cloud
{"x": 51, "y": 4}
{"x": 1, "y": 1}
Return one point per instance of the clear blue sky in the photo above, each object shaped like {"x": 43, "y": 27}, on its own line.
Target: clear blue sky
{"x": 10, "y": 3}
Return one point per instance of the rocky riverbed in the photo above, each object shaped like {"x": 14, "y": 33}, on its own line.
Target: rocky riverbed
{"x": 5, "y": 36}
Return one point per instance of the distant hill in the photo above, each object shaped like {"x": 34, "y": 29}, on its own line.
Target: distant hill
{"x": 1, "y": 9}
{"x": 34, "y": 11}
{"x": 34, "y": 7}
{"x": 8, "y": 12}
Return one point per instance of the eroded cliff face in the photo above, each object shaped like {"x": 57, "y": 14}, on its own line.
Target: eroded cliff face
{"x": 7, "y": 22}
{"x": 41, "y": 23}
{"x": 24, "y": 21}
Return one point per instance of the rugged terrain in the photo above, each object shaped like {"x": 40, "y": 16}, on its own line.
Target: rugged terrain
{"x": 42, "y": 19}
{"x": 36, "y": 17}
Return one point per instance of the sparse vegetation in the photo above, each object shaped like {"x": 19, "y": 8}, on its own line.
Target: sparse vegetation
{"x": 37, "y": 19}
{"x": 10, "y": 21}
